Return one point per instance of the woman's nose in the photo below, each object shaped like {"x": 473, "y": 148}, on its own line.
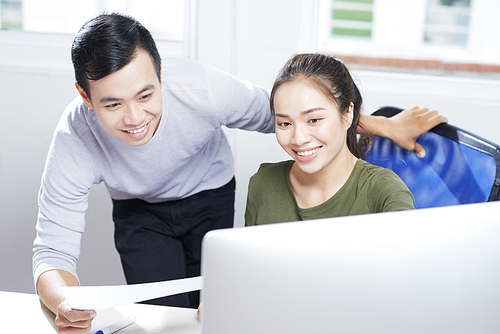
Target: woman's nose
{"x": 300, "y": 135}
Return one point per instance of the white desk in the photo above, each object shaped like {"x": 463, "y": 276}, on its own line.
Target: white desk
{"x": 24, "y": 313}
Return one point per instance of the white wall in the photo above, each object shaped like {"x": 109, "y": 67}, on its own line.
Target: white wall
{"x": 30, "y": 107}
{"x": 250, "y": 38}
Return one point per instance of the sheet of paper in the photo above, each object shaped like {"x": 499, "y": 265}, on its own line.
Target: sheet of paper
{"x": 104, "y": 297}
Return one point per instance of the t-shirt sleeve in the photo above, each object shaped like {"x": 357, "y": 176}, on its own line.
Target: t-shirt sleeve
{"x": 250, "y": 214}
{"x": 391, "y": 193}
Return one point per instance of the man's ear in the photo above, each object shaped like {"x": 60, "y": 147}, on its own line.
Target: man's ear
{"x": 84, "y": 96}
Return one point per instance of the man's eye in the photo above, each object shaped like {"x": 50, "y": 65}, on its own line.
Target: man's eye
{"x": 112, "y": 106}
{"x": 283, "y": 124}
{"x": 146, "y": 97}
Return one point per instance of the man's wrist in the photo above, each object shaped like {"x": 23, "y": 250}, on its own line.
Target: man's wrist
{"x": 377, "y": 125}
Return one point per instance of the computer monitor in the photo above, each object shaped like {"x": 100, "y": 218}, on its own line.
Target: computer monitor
{"x": 423, "y": 271}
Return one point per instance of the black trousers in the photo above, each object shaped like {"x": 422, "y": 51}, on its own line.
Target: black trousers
{"x": 162, "y": 241}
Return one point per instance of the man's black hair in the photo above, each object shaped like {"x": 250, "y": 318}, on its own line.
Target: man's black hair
{"x": 107, "y": 43}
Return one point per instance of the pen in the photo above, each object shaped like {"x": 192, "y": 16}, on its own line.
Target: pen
{"x": 117, "y": 326}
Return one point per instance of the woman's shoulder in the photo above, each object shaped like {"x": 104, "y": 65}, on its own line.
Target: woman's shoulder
{"x": 371, "y": 170}
{"x": 373, "y": 175}
{"x": 268, "y": 173}
{"x": 381, "y": 180}
{"x": 386, "y": 190}
{"x": 272, "y": 167}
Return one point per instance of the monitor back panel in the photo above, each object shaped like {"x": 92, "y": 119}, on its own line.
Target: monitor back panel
{"x": 424, "y": 271}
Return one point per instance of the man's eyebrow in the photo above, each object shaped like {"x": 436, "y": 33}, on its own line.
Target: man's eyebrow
{"x": 305, "y": 112}
{"x": 108, "y": 99}
{"x": 148, "y": 87}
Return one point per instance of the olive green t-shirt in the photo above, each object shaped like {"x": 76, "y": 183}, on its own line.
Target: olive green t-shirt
{"x": 368, "y": 189}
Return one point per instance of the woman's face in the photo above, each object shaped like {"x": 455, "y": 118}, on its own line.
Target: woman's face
{"x": 309, "y": 126}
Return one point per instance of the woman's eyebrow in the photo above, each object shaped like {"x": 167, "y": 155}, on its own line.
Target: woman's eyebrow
{"x": 308, "y": 111}
{"x": 305, "y": 112}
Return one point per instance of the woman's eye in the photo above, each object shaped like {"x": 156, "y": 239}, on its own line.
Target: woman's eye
{"x": 314, "y": 120}
{"x": 283, "y": 124}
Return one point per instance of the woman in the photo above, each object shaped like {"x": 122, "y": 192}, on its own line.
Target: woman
{"x": 317, "y": 106}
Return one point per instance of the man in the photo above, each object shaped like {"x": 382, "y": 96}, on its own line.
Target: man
{"x": 153, "y": 135}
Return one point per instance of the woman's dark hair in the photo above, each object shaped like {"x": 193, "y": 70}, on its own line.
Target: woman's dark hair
{"x": 331, "y": 76}
{"x": 107, "y": 43}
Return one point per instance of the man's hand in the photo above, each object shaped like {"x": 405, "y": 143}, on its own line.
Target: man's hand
{"x": 68, "y": 321}
{"x": 409, "y": 124}
{"x": 403, "y": 128}
{"x": 73, "y": 321}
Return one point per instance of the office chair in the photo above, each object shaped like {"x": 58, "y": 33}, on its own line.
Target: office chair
{"x": 459, "y": 167}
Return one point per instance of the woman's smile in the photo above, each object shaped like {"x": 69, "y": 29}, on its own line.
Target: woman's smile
{"x": 308, "y": 154}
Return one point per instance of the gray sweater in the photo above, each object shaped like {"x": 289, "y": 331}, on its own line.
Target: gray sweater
{"x": 189, "y": 153}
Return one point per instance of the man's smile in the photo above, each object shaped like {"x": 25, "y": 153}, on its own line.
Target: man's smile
{"x": 141, "y": 129}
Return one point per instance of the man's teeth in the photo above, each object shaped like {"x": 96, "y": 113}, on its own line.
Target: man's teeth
{"x": 308, "y": 153}
{"x": 137, "y": 130}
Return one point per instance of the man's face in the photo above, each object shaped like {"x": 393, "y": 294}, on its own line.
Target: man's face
{"x": 128, "y": 102}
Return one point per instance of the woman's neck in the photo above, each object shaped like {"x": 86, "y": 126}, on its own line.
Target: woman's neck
{"x": 313, "y": 189}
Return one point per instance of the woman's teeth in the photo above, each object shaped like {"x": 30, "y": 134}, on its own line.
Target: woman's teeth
{"x": 308, "y": 153}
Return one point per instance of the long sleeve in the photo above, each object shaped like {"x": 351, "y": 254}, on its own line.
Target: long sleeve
{"x": 63, "y": 201}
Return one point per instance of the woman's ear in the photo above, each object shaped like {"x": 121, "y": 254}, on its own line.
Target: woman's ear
{"x": 348, "y": 115}
{"x": 84, "y": 96}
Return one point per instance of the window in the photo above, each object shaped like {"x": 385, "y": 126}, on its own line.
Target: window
{"x": 10, "y": 14}
{"x": 164, "y": 19}
{"x": 447, "y": 22}
{"x": 428, "y": 35}
{"x": 38, "y": 34}
{"x": 352, "y": 18}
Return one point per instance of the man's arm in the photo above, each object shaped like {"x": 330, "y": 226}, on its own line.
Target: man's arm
{"x": 405, "y": 127}
{"x": 67, "y": 320}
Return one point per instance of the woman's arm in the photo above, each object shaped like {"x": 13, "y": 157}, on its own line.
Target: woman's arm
{"x": 405, "y": 127}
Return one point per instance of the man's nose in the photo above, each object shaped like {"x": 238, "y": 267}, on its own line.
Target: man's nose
{"x": 134, "y": 114}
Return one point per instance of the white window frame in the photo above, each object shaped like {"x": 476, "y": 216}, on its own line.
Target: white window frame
{"x": 51, "y": 52}
{"x": 408, "y": 42}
